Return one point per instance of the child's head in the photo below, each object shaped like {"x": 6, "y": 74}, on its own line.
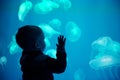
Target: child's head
{"x": 30, "y": 37}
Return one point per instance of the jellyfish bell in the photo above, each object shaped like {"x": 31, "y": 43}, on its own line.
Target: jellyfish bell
{"x": 73, "y": 32}
{"x": 104, "y": 61}
{"x": 41, "y": 8}
{"x": 106, "y": 56}
{"x": 48, "y": 30}
{"x": 24, "y": 8}
{"x": 3, "y": 60}
{"x": 102, "y": 43}
{"x": 13, "y": 47}
{"x": 106, "y": 45}
{"x": 45, "y": 7}
{"x": 47, "y": 42}
{"x": 55, "y": 23}
{"x": 51, "y": 53}
{"x": 67, "y": 4}
{"x": 113, "y": 49}
{"x": 107, "y": 53}
{"x": 79, "y": 75}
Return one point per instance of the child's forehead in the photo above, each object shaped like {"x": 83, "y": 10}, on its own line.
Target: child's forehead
{"x": 30, "y": 27}
{"x": 36, "y": 34}
{"x": 31, "y": 31}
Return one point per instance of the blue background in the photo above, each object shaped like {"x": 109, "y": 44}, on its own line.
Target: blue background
{"x": 95, "y": 18}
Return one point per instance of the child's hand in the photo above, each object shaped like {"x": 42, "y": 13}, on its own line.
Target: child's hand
{"x": 61, "y": 43}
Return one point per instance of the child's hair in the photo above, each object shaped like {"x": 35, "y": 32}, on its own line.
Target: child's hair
{"x": 27, "y": 36}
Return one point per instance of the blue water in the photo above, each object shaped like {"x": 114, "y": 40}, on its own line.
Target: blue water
{"x": 93, "y": 18}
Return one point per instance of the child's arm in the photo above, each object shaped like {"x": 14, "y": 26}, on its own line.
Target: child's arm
{"x": 59, "y": 65}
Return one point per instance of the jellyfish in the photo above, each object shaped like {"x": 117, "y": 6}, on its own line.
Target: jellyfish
{"x": 107, "y": 56}
{"x": 13, "y": 47}
{"x": 102, "y": 43}
{"x": 51, "y": 53}
{"x": 67, "y": 4}
{"x": 24, "y": 8}
{"x": 108, "y": 52}
{"x": 103, "y": 61}
{"x": 55, "y": 23}
{"x": 45, "y": 7}
{"x": 79, "y": 75}
{"x": 48, "y": 30}
{"x": 105, "y": 45}
{"x": 108, "y": 65}
{"x": 47, "y": 42}
{"x": 73, "y": 32}
{"x": 3, "y": 61}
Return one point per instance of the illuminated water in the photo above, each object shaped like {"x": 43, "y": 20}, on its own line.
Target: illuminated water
{"x": 92, "y": 29}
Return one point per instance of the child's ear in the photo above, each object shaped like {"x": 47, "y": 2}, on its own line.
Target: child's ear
{"x": 40, "y": 45}
{"x": 37, "y": 44}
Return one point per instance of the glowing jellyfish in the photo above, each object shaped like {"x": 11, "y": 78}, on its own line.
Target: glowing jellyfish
{"x": 73, "y": 32}
{"x": 106, "y": 45}
{"x": 104, "y": 61}
{"x": 24, "y": 8}
{"x": 47, "y": 42}
{"x": 107, "y": 50}
{"x": 107, "y": 56}
{"x": 13, "y": 47}
{"x": 51, "y": 53}
{"x": 102, "y": 43}
{"x": 3, "y": 60}
{"x": 55, "y": 23}
{"x": 111, "y": 63}
{"x": 79, "y": 75}
{"x": 45, "y": 6}
{"x": 48, "y": 30}
{"x": 67, "y": 4}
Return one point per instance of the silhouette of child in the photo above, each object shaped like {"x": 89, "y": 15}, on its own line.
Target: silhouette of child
{"x": 34, "y": 64}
